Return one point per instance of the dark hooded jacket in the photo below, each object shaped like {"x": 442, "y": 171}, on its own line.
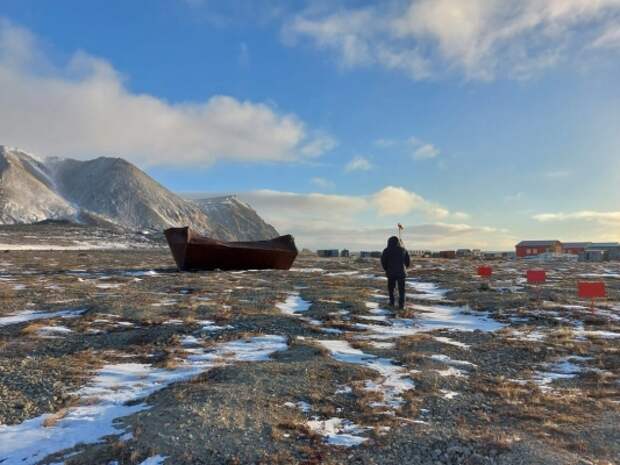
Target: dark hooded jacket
{"x": 395, "y": 259}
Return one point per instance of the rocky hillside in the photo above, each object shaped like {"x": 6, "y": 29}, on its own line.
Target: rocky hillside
{"x": 27, "y": 192}
{"x": 108, "y": 191}
{"x": 237, "y": 217}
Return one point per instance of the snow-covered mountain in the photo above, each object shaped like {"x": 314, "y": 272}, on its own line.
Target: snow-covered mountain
{"x": 237, "y": 217}
{"x": 27, "y": 191}
{"x": 105, "y": 191}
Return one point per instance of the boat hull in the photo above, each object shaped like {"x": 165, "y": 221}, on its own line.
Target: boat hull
{"x": 193, "y": 252}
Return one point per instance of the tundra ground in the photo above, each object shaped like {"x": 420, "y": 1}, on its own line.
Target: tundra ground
{"x": 114, "y": 357}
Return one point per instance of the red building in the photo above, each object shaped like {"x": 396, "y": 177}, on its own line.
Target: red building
{"x": 530, "y": 248}
{"x": 575, "y": 248}
{"x": 447, "y": 254}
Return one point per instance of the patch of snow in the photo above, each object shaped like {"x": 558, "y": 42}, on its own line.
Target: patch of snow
{"x": 114, "y": 393}
{"x": 53, "y": 330}
{"x": 343, "y": 273}
{"x": 450, "y": 361}
{"x": 141, "y": 273}
{"x": 382, "y": 345}
{"x": 344, "y": 390}
{"x": 338, "y": 432}
{"x": 426, "y": 290}
{"x": 373, "y": 317}
{"x": 532, "y": 335}
{"x": 452, "y": 342}
{"x": 451, "y": 371}
{"x": 432, "y": 318}
{"x": 581, "y": 333}
{"x": 446, "y": 394}
{"x": 301, "y": 405}
{"x": 109, "y": 286}
{"x": 30, "y": 315}
{"x": 394, "y": 378}
{"x": 293, "y": 304}
{"x": 189, "y": 341}
{"x": 165, "y": 303}
{"x": 562, "y": 369}
{"x": 208, "y": 325}
{"x": 155, "y": 460}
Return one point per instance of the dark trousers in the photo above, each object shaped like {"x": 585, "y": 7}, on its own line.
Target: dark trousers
{"x": 401, "y": 290}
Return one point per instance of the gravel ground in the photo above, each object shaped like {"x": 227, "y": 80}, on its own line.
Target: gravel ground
{"x": 469, "y": 373}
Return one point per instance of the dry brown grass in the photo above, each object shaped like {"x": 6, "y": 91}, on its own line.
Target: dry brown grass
{"x": 54, "y": 418}
{"x": 32, "y": 329}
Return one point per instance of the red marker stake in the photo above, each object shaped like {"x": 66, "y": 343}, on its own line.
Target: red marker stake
{"x": 536, "y": 277}
{"x": 591, "y": 290}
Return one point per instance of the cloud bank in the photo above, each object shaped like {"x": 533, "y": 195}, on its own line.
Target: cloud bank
{"x": 365, "y": 222}
{"x": 610, "y": 217}
{"x": 476, "y": 38}
{"x": 84, "y": 108}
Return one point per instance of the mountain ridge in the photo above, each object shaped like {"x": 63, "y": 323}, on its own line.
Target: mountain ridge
{"x": 111, "y": 190}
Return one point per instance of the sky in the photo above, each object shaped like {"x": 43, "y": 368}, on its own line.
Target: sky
{"x": 473, "y": 123}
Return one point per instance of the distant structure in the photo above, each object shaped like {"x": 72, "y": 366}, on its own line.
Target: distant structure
{"x": 530, "y": 248}
{"x": 575, "y": 248}
{"x": 601, "y": 251}
{"x": 420, "y": 253}
{"x": 345, "y": 253}
{"x": 592, "y": 255}
{"x": 498, "y": 255}
{"x": 586, "y": 251}
{"x": 462, "y": 253}
{"x": 328, "y": 253}
{"x": 367, "y": 254}
{"x": 447, "y": 254}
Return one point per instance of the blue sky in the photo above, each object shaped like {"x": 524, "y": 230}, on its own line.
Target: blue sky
{"x": 473, "y": 123}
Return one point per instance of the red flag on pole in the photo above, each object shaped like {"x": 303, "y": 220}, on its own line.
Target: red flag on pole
{"x": 485, "y": 271}
{"x": 536, "y": 276}
{"x": 591, "y": 290}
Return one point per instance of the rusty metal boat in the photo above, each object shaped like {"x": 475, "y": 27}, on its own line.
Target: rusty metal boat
{"x": 193, "y": 252}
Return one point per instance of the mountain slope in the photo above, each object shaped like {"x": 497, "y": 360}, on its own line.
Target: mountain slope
{"x": 237, "y": 217}
{"x": 27, "y": 191}
{"x": 111, "y": 192}
{"x": 118, "y": 191}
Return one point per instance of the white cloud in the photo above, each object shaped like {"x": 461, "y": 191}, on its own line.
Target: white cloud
{"x": 426, "y": 151}
{"x": 85, "y": 109}
{"x": 321, "y": 220}
{"x": 385, "y": 143}
{"x": 610, "y": 38}
{"x": 610, "y": 217}
{"x": 358, "y": 164}
{"x": 293, "y": 205}
{"x": 557, "y": 174}
{"x": 479, "y": 38}
{"x": 423, "y": 150}
{"x": 461, "y": 215}
{"x": 322, "y": 182}
{"x": 394, "y": 201}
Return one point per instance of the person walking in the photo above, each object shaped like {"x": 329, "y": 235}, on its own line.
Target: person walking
{"x": 395, "y": 261}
